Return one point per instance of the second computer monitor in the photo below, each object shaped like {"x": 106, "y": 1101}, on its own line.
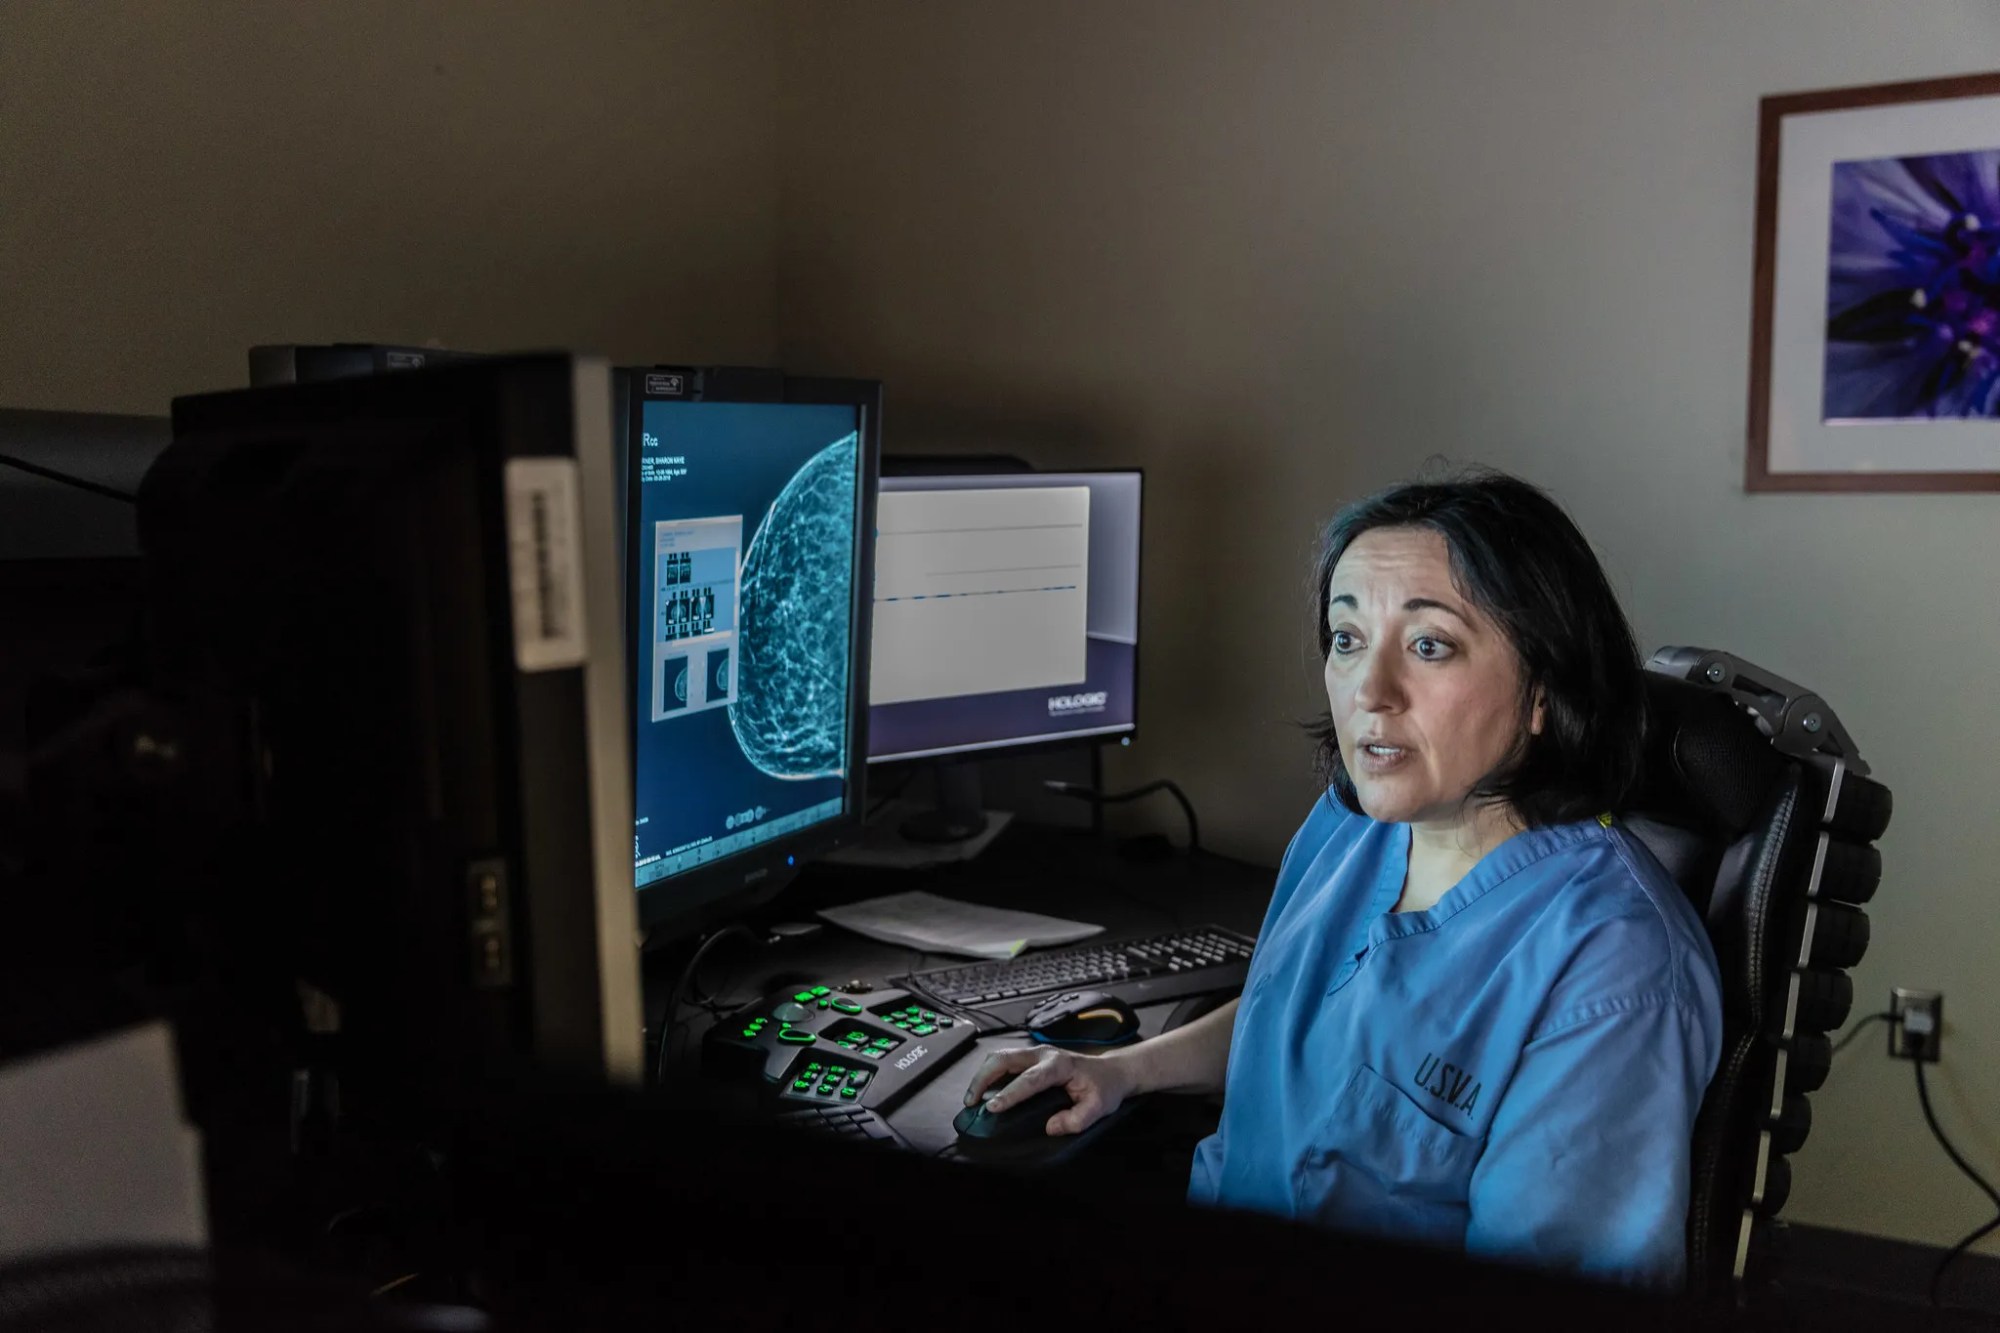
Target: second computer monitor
{"x": 1006, "y": 612}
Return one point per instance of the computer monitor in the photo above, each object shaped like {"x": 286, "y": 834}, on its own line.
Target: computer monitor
{"x": 1006, "y": 619}
{"x": 383, "y": 613}
{"x": 749, "y": 535}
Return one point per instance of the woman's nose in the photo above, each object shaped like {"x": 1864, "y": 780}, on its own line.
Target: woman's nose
{"x": 1377, "y": 687}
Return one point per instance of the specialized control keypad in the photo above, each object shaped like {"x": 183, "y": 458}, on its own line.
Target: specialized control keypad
{"x": 822, "y": 1047}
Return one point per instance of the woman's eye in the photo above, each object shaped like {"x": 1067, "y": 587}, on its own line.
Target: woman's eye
{"x": 1439, "y": 649}
{"x": 1343, "y": 642}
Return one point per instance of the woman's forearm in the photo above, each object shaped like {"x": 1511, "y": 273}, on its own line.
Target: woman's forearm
{"x": 1189, "y": 1059}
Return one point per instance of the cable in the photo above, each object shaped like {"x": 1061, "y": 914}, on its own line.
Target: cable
{"x": 94, "y": 487}
{"x": 1083, "y": 793}
{"x": 1860, "y": 1026}
{"x": 668, "y": 1021}
{"x": 1952, "y": 1254}
{"x": 1937, "y": 1274}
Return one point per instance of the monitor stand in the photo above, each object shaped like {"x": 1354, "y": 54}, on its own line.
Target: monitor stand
{"x": 909, "y": 836}
{"x": 958, "y": 815}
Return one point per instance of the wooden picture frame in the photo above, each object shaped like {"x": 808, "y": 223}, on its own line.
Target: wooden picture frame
{"x": 1870, "y": 372}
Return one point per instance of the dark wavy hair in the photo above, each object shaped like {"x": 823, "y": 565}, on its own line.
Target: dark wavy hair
{"x": 1518, "y": 557}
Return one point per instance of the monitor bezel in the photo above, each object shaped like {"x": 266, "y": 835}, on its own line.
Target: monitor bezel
{"x": 1011, "y": 749}
{"x": 683, "y": 904}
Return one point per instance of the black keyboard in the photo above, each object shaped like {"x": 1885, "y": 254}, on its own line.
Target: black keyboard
{"x": 853, "y": 1124}
{"x": 1137, "y": 971}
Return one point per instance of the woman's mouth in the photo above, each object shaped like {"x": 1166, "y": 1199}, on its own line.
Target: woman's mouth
{"x": 1380, "y": 758}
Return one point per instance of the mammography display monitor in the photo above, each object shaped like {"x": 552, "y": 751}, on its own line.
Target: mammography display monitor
{"x": 747, "y": 545}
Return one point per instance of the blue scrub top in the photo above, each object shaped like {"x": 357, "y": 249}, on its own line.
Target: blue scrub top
{"x": 1513, "y": 1073}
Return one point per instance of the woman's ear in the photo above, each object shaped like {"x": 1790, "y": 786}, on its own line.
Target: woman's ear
{"x": 1535, "y": 721}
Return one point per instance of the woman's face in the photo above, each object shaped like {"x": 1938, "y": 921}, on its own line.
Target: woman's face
{"x": 1417, "y": 668}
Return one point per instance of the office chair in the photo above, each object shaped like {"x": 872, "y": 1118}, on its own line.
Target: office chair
{"x": 1755, "y": 800}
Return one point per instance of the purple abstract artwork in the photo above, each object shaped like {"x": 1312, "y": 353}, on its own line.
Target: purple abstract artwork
{"x": 1913, "y": 288}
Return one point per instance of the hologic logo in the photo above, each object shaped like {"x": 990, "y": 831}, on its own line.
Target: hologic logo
{"x": 911, "y": 1058}
{"x": 1078, "y": 703}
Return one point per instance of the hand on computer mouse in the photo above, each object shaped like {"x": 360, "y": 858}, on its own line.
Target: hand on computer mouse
{"x": 1097, "y": 1084}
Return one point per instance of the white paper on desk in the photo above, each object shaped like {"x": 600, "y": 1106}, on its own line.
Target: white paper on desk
{"x": 919, "y": 920}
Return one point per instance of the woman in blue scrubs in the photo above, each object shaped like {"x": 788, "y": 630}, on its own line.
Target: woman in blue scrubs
{"x": 1480, "y": 1015}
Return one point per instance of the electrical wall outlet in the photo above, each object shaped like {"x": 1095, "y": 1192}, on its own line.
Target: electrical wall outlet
{"x": 1916, "y": 1023}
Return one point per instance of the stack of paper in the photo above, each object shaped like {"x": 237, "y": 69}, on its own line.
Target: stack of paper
{"x": 925, "y": 921}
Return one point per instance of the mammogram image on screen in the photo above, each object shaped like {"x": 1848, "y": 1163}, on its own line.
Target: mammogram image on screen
{"x": 742, "y": 616}
{"x": 790, "y": 708}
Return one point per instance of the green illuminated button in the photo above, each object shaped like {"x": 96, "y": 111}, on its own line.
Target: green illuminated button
{"x": 857, "y": 1036}
{"x": 822, "y": 990}
{"x": 805, "y": 997}
{"x": 825, "y": 1089}
{"x": 912, "y": 1010}
{"x": 813, "y": 1067}
{"x": 849, "y": 1093}
{"x": 858, "y": 1079}
{"x": 837, "y": 1069}
{"x": 801, "y": 1084}
{"x": 923, "y": 1029}
{"x": 929, "y": 1017}
{"x": 847, "y": 1006}
{"x": 749, "y": 1032}
{"x": 822, "y": 1004}
{"x": 796, "y": 1037}
{"x": 903, "y": 1023}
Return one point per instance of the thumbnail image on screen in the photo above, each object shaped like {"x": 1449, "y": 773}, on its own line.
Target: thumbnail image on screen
{"x": 1006, "y": 611}
{"x": 747, "y": 519}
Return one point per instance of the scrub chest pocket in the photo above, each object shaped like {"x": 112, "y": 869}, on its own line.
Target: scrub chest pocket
{"x": 1408, "y": 1174}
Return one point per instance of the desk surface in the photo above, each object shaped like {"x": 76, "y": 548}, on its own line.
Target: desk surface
{"x": 1061, "y": 872}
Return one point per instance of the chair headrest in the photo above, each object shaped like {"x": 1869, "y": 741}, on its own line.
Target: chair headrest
{"x": 1706, "y": 765}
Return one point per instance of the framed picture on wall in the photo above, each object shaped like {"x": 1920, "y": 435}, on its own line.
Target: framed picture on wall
{"x": 1875, "y": 334}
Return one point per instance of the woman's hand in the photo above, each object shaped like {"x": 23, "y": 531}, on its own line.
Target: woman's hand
{"x": 1096, "y": 1084}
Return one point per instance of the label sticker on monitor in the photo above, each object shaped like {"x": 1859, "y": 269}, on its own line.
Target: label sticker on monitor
{"x": 664, "y": 384}
{"x": 545, "y": 563}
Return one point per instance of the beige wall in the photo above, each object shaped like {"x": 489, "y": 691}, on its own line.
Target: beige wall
{"x": 1278, "y": 252}
{"x": 179, "y": 181}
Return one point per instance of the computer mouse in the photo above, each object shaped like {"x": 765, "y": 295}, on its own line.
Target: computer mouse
{"x": 1084, "y": 1019}
{"x": 1016, "y": 1124}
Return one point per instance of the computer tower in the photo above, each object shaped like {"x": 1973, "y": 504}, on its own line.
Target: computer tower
{"x": 390, "y": 605}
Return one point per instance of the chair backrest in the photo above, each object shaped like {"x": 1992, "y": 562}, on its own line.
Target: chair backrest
{"x": 1755, "y": 801}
